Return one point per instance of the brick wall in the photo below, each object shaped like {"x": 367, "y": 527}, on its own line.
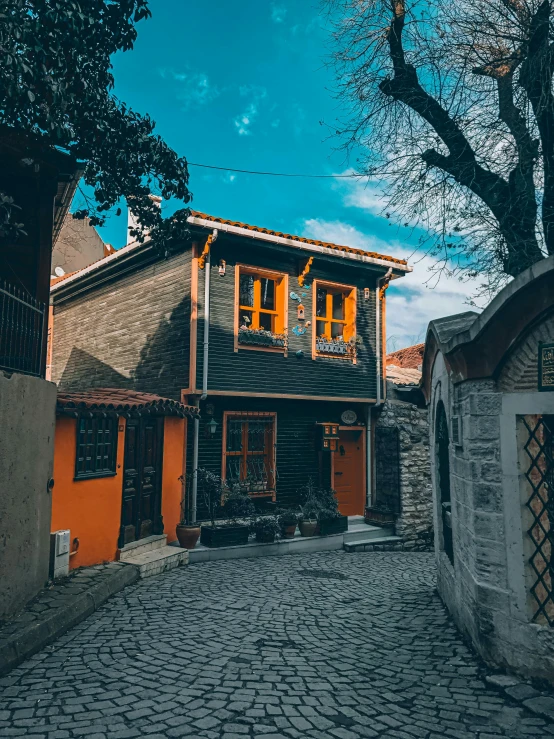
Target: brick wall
{"x": 132, "y": 332}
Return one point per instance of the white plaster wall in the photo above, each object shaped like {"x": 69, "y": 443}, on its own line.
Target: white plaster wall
{"x": 27, "y": 418}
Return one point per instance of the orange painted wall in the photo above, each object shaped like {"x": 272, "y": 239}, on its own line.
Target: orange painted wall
{"x": 173, "y": 466}
{"x": 90, "y": 509}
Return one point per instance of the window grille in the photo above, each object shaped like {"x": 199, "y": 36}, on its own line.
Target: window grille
{"x": 96, "y": 447}
{"x": 250, "y": 453}
{"x": 21, "y": 331}
{"x": 539, "y": 473}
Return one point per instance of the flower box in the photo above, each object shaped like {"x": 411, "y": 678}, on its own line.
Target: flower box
{"x": 325, "y": 346}
{"x": 379, "y": 516}
{"x": 254, "y": 337}
{"x": 333, "y": 526}
{"x": 224, "y": 536}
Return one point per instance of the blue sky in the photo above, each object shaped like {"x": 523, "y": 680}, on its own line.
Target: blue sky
{"x": 245, "y": 85}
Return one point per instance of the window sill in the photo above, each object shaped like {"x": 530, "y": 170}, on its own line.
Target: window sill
{"x": 272, "y": 349}
{"x": 94, "y": 476}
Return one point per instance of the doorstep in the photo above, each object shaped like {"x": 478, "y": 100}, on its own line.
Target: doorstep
{"x": 299, "y": 545}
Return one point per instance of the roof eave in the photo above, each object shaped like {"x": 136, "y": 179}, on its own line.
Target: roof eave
{"x": 401, "y": 269}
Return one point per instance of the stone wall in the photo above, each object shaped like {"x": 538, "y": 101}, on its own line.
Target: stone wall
{"x": 27, "y": 410}
{"x": 415, "y": 523}
{"x": 487, "y": 587}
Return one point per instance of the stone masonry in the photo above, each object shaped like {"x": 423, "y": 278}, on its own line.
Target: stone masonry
{"x": 415, "y": 523}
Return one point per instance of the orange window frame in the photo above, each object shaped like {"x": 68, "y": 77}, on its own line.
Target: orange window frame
{"x": 245, "y": 453}
{"x": 349, "y": 321}
{"x": 279, "y": 314}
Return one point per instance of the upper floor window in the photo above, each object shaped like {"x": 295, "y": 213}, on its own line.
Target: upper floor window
{"x": 334, "y": 319}
{"x": 96, "y": 447}
{"x": 260, "y": 307}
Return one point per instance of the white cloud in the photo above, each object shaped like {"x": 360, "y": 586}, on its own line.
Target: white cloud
{"x": 196, "y": 87}
{"x": 413, "y": 300}
{"x": 278, "y": 13}
{"x": 244, "y": 120}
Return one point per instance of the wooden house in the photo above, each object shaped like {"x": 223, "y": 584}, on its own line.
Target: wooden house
{"x": 276, "y": 338}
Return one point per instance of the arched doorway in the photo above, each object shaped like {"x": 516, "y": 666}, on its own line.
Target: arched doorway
{"x": 442, "y": 463}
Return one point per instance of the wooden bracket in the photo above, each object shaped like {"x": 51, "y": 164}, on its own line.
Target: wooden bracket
{"x": 384, "y": 287}
{"x": 205, "y": 252}
{"x": 305, "y": 270}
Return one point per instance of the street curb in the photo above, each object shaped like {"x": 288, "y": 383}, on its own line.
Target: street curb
{"x": 33, "y": 637}
{"x": 538, "y": 702}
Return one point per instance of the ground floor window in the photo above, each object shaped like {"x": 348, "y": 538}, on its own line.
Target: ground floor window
{"x": 249, "y": 452}
{"x": 96, "y": 447}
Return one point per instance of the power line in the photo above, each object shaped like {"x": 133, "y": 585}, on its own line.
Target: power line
{"x": 280, "y": 174}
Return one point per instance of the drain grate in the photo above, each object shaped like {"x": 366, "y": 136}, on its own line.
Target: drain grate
{"x": 276, "y": 644}
{"x": 324, "y": 574}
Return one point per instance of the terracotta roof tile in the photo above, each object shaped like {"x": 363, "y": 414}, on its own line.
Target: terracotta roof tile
{"x": 120, "y": 400}
{"x": 403, "y": 376}
{"x": 300, "y": 239}
{"x": 410, "y": 357}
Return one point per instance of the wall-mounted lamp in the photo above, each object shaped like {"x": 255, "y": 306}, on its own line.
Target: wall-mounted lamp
{"x": 222, "y": 265}
{"x": 211, "y": 428}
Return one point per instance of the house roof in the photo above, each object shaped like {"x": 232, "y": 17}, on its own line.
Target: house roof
{"x": 403, "y": 376}
{"x": 121, "y": 401}
{"x": 411, "y": 357}
{"x": 203, "y": 220}
{"x": 197, "y": 217}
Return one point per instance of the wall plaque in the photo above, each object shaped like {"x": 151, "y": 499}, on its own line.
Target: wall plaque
{"x": 546, "y": 367}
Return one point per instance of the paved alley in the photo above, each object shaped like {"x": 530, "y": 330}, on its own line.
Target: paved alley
{"x": 327, "y": 645}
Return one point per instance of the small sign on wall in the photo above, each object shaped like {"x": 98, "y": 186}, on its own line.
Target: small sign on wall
{"x": 546, "y": 367}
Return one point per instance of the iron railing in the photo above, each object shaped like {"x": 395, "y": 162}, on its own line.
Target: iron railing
{"x": 21, "y": 331}
{"x": 539, "y": 473}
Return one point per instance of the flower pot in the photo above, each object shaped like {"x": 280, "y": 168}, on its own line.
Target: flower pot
{"x": 287, "y": 532}
{"x": 333, "y": 526}
{"x": 224, "y": 536}
{"x": 308, "y": 528}
{"x": 188, "y": 535}
{"x": 265, "y": 537}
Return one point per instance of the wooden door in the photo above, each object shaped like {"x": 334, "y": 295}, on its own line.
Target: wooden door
{"x": 349, "y": 473}
{"x": 142, "y": 475}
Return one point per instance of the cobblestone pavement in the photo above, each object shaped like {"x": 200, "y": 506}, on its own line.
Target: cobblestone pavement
{"x": 327, "y": 645}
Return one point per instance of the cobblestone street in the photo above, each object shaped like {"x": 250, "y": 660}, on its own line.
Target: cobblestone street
{"x": 326, "y": 645}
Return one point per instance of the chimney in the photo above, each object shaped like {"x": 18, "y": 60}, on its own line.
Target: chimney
{"x": 132, "y": 221}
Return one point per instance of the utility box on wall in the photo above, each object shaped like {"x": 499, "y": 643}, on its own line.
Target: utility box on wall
{"x": 59, "y": 554}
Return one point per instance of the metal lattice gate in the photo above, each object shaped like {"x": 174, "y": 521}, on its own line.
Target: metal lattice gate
{"x": 539, "y": 504}
{"x": 387, "y": 468}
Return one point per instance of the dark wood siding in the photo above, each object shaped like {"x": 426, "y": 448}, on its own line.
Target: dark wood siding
{"x": 298, "y": 455}
{"x": 132, "y": 332}
{"x": 257, "y": 371}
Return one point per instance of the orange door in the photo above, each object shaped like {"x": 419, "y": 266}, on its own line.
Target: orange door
{"x": 349, "y": 473}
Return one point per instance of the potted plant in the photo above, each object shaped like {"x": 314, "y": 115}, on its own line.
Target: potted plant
{"x": 236, "y": 505}
{"x": 330, "y": 520}
{"x": 266, "y": 528}
{"x": 288, "y": 521}
{"x": 187, "y": 532}
{"x": 308, "y": 523}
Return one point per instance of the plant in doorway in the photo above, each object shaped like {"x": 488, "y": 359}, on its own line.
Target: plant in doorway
{"x": 266, "y": 528}
{"x": 237, "y": 509}
{"x": 187, "y": 532}
{"x": 330, "y": 520}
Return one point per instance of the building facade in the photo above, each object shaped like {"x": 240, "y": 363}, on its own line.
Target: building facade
{"x": 489, "y": 383}
{"x": 41, "y": 182}
{"x": 270, "y": 334}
